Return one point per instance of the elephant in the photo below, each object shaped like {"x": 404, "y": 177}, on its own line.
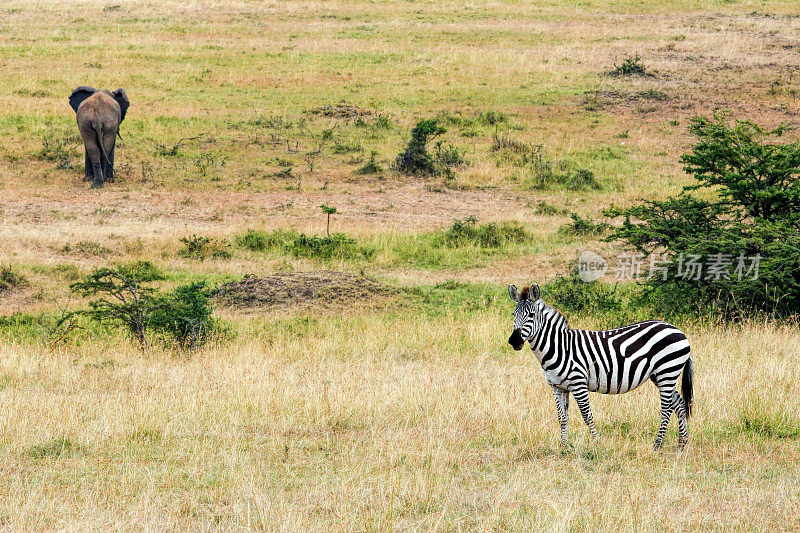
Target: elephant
{"x": 99, "y": 114}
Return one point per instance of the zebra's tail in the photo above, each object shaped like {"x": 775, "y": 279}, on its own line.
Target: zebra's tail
{"x": 686, "y": 386}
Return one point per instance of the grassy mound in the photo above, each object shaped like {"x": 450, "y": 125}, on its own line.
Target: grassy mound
{"x": 299, "y": 289}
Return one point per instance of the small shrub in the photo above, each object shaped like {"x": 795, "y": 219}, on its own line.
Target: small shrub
{"x": 416, "y": 159}
{"x": 542, "y": 172}
{"x": 346, "y": 148}
{"x": 543, "y": 208}
{"x": 198, "y": 247}
{"x": 380, "y": 122}
{"x": 504, "y": 142}
{"x": 184, "y": 315}
{"x": 334, "y": 246}
{"x": 253, "y": 240}
{"x": 492, "y": 118}
{"x": 285, "y": 173}
{"x": 583, "y": 226}
{"x": 652, "y": 94}
{"x": 370, "y": 167}
{"x": 631, "y": 66}
{"x": 261, "y": 241}
{"x": 491, "y": 235}
{"x": 88, "y": 248}
{"x": 56, "y": 147}
{"x": 449, "y": 156}
{"x": 18, "y": 319}
{"x": 579, "y": 179}
{"x": 10, "y": 278}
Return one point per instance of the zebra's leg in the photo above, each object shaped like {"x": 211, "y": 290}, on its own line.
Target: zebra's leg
{"x": 666, "y": 412}
{"x": 581, "y": 393}
{"x": 683, "y": 427}
{"x": 562, "y": 406}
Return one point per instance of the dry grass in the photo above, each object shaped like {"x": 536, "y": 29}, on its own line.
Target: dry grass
{"x": 368, "y": 418}
{"x": 369, "y": 423}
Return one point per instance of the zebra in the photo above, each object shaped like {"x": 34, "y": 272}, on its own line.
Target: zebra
{"x": 611, "y": 362}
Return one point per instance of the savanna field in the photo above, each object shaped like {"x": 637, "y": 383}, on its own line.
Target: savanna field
{"x": 362, "y": 380}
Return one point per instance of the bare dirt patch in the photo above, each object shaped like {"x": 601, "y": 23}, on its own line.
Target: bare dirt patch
{"x": 328, "y": 288}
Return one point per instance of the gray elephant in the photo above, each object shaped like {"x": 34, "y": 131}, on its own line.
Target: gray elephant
{"x": 99, "y": 114}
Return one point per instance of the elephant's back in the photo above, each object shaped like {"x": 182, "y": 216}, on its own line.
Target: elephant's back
{"x": 100, "y": 109}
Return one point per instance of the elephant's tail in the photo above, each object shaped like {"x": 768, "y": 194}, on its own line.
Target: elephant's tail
{"x": 98, "y": 131}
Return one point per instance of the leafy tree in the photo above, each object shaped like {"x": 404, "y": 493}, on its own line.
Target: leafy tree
{"x": 757, "y": 177}
{"x": 328, "y": 211}
{"x": 753, "y": 220}
{"x": 124, "y": 296}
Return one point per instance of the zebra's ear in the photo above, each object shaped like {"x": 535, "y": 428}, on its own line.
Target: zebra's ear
{"x": 514, "y": 293}
{"x": 534, "y": 292}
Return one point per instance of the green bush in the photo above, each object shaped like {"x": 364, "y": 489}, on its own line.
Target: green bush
{"x": 543, "y": 208}
{"x": 10, "y": 278}
{"x": 542, "y": 172}
{"x": 262, "y": 241}
{"x": 631, "y": 66}
{"x": 583, "y": 227}
{"x": 184, "y": 315}
{"x": 416, "y": 159}
{"x": 198, "y": 247}
{"x": 334, "y": 246}
{"x": 490, "y": 235}
{"x": 56, "y": 147}
{"x": 126, "y": 297}
{"x": 449, "y": 156}
{"x": 570, "y": 294}
{"x": 579, "y": 179}
{"x": 370, "y": 167}
{"x": 755, "y": 214}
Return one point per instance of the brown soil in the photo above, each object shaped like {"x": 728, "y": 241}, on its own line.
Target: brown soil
{"x": 300, "y": 289}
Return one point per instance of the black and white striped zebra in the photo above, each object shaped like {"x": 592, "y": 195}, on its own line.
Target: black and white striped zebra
{"x": 611, "y": 362}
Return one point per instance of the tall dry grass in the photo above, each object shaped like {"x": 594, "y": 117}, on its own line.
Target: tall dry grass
{"x": 383, "y": 424}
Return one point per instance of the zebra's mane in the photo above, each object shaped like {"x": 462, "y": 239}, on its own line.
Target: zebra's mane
{"x": 560, "y": 319}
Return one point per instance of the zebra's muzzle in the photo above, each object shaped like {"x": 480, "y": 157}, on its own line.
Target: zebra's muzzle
{"x": 516, "y": 341}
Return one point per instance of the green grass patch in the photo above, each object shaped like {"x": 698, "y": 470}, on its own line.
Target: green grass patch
{"x": 54, "y": 449}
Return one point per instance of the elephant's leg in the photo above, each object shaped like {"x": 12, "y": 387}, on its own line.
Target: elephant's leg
{"x": 87, "y": 167}
{"x": 97, "y": 165}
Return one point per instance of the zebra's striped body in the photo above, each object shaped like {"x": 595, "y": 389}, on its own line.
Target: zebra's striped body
{"x": 611, "y": 362}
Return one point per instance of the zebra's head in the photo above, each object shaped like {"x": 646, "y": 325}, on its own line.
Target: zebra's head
{"x": 527, "y": 314}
